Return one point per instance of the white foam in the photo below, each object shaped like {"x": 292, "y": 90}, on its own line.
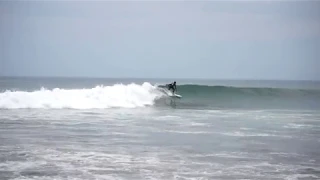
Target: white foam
{"x": 188, "y": 132}
{"x": 119, "y": 95}
{"x": 245, "y": 134}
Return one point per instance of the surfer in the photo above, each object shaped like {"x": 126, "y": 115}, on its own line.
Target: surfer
{"x": 172, "y": 86}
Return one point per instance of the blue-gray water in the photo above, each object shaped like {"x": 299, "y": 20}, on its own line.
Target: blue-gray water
{"x": 67, "y": 128}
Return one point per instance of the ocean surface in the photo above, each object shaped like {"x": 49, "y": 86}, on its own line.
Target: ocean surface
{"x": 82, "y": 128}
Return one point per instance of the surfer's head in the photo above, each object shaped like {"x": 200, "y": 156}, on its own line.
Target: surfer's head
{"x": 174, "y": 82}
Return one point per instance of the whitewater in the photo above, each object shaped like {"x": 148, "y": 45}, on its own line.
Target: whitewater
{"x": 118, "y": 95}
{"x": 82, "y": 128}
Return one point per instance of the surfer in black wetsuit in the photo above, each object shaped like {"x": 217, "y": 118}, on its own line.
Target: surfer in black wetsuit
{"x": 172, "y": 86}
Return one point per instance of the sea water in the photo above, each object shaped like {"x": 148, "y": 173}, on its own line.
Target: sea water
{"x": 81, "y": 128}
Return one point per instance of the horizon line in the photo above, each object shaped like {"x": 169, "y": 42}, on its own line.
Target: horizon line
{"x": 163, "y": 78}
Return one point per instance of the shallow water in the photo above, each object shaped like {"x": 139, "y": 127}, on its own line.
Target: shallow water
{"x": 154, "y": 143}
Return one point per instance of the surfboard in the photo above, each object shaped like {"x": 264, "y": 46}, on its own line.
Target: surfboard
{"x": 176, "y": 95}
{"x": 169, "y": 93}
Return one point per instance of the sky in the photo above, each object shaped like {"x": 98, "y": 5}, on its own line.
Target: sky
{"x": 278, "y": 40}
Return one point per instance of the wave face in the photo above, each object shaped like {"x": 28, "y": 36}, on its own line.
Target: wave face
{"x": 243, "y": 97}
{"x": 221, "y": 91}
{"x": 128, "y": 96}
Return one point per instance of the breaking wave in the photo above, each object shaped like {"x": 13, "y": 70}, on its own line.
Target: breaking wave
{"x": 118, "y": 95}
{"x": 145, "y": 94}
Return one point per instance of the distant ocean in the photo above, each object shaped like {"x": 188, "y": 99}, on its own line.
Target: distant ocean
{"x": 86, "y": 128}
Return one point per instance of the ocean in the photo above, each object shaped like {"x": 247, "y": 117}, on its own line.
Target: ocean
{"x": 97, "y": 128}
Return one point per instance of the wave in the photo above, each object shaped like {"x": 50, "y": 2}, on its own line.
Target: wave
{"x": 136, "y": 95}
{"x": 118, "y": 95}
{"x": 205, "y": 96}
{"x": 222, "y": 91}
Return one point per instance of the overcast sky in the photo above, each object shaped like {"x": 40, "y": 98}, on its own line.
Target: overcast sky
{"x": 220, "y": 40}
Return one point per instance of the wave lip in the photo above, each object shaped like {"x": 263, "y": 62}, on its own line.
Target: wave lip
{"x": 99, "y": 97}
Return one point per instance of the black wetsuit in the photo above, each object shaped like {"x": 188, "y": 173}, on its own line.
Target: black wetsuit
{"x": 172, "y": 86}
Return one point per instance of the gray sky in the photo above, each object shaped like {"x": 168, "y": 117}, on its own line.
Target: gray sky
{"x": 208, "y": 39}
